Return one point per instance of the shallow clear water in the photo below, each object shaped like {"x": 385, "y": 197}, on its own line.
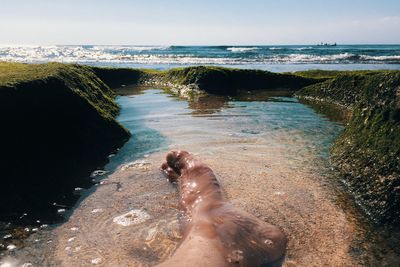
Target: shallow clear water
{"x": 271, "y": 156}
{"x": 278, "y": 58}
{"x": 264, "y": 119}
{"x": 280, "y": 134}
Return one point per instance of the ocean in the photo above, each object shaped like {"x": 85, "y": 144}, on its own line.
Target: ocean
{"x": 278, "y": 58}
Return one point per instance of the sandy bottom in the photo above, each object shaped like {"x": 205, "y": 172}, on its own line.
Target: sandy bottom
{"x": 132, "y": 217}
{"x": 319, "y": 232}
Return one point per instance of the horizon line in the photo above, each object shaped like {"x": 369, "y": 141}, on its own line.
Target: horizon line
{"x": 210, "y": 45}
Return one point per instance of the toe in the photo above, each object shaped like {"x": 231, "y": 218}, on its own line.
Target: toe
{"x": 164, "y": 166}
{"x": 170, "y": 173}
{"x": 174, "y": 159}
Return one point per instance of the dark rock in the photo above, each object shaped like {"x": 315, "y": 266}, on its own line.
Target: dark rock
{"x": 56, "y": 127}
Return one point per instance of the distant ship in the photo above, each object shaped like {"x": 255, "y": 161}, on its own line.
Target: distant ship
{"x": 326, "y": 44}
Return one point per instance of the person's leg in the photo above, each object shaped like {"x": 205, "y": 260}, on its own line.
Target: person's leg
{"x": 215, "y": 232}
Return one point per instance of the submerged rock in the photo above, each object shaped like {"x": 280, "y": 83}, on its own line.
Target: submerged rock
{"x": 132, "y": 217}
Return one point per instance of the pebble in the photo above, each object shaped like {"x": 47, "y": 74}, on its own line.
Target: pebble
{"x": 7, "y": 236}
{"x": 268, "y": 242}
{"x": 11, "y": 247}
{"x": 138, "y": 164}
{"x": 132, "y": 217}
{"x": 96, "y": 261}
{"x": 97, "y": 210}
{"x": 98, "y": 173}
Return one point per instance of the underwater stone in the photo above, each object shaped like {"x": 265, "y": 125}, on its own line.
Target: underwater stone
{"x": 132, "y": 217}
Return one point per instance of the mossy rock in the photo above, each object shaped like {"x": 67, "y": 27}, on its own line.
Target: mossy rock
{"x": 367, "y": 153}
{"x": 58, "y": 124}
{"x": 228, "y": 81}
{"x": 330, "y": 74}
{"x": 118, "y": 77}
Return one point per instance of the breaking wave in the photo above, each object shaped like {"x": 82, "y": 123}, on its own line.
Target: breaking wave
{"x": 242, "y": 49}
{"x": 187, "y": 55}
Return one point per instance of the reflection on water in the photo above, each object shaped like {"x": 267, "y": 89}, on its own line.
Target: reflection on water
{"x": 137, "y": 108}
{"x": 205, "y": 105}
{"x": 271, "y": 153}
{"x": 333, "y": 112}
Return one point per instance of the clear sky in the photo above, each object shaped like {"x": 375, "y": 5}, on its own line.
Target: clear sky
{"x": 201, "y": 22}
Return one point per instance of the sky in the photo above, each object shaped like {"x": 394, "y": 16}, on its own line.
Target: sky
{"x": 201, "y": 22}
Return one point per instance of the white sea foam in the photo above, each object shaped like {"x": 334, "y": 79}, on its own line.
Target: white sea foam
{"x": 149, "y": 55}
{"x": 130, "y": 48}
{"x": 381, "y": 58}
{"x": 306, "y": 58}
{"x": 242, "y": 49}
{"x": 303, "y": 48}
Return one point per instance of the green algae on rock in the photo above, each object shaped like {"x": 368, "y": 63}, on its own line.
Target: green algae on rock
{"x": 191, "y": 81}
{"x": 58, "y": 124}
{"x": 367, "y": 153}
{"x": 228, "y": 81}
{"x": 118, "y": 77}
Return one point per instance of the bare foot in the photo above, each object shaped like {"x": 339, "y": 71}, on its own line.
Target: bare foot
{"x": 215, "y": 232}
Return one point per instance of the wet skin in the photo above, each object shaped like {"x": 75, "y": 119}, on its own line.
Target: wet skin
{"x": 215, "y": 233}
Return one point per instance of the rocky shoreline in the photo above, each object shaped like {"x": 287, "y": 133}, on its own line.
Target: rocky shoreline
{"x": 58, "y": 125}
{"x": 367, "y": 153}
{"x": 63, "y": 118}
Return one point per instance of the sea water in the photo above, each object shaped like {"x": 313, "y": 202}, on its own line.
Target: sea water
{"x": 278, "y": 58}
